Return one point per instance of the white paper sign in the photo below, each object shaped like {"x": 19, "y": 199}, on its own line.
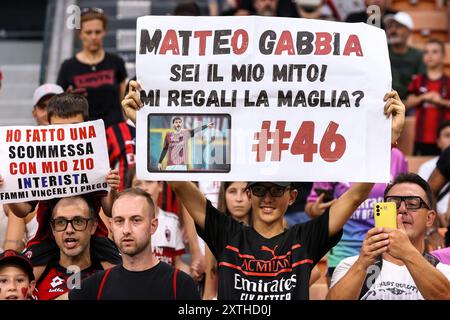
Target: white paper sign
{"x": 258, "y": 98}
{"x": 44, "y": 162}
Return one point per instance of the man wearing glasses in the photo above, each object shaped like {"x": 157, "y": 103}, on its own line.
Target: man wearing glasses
{"x": 73, "y": 223}
{"x": 393, "y": 264}
{"x": 264, "y": 261}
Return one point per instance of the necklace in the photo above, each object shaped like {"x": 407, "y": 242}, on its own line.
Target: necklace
{"x": 81, "y": 56}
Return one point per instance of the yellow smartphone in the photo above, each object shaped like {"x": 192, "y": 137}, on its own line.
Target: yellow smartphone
{"x": 385, "y": 215}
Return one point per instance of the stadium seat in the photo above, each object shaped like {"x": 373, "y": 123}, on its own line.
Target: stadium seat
{"x": 447, "y": 58}
{"x": 429, "y": 24}
{"x": 406, "y": 140}
{"x": 411, "y": 5}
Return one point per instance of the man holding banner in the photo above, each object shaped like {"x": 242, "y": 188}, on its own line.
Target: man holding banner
{"x": 48, "y": 163}
{"x": 265, "y": 261}
{"x": 73, "y": 222}
{"x": 301, "y": 98}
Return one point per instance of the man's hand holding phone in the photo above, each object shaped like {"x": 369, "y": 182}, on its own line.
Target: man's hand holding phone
{"x": 375, "y": 244}
{"x": 399, "y": 244}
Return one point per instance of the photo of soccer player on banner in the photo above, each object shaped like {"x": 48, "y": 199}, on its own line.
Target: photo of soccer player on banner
{"x": 189, "y": 142}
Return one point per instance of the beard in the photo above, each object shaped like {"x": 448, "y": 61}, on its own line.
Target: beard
{"x": 133, "y": 250}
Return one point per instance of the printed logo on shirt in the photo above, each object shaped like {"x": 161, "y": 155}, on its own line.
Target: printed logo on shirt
{"x": 277, "y": 289}
{"x": 94, "y": 79}
{"x": 56, "y": 282}
{"x": 276, "y": 265}
{"x": 29, "y": 254}
{"x": 164, "y": 254}
{"x": 392, "y": 290}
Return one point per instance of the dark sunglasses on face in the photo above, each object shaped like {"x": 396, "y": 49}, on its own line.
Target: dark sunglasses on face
{"x": 261, "y": 191}
{"x": 411, "y": 202}
{"x": 78, "y": 223}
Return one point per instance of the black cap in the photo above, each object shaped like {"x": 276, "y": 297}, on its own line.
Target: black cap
{"x": 13, "y": 257}
{"x": 278, "y": 183}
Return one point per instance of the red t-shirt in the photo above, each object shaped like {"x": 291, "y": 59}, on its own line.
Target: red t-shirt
{"x": 54, "y": 281}
{"x": 428, "y": 115}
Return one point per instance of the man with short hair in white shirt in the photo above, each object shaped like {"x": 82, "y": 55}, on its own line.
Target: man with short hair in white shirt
{"x": 404, "y": 272}
{"x": 425, "y": 170}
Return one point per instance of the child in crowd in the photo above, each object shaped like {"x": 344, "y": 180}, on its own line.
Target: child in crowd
{"x": 16, "y": 276}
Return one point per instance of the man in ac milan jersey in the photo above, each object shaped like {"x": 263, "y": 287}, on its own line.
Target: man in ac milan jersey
{"x": 67, "y": 108}
{"x": 176, "y": 145}
{"x": 429, "y": 94}
{"x": 73, "y": 222}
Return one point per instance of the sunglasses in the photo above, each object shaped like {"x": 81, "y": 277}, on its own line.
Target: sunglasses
{"x": 411, "y": 202}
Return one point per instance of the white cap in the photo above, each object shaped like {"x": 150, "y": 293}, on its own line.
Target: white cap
{"x": 45, "y": 89}
{"x": 401, "y": 17}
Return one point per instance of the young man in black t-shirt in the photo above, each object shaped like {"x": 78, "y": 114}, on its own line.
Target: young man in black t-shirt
{"x": 265, "y": 261}
{"x": 141, "y": 276}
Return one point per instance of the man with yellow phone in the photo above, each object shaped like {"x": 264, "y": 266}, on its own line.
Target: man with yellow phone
{"x": 393, "y": 264}
{"x": 385, "y": 214}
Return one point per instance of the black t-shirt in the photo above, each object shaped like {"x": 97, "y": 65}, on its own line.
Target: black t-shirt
{"x": 251, "y": 267}
{"x": 443, "y": 164}
{"x": 101, "y": 82}
{"x": 152, "y": 284}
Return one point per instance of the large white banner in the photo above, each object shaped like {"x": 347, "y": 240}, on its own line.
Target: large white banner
{"x": 43, "y": 162}
{"x": 258, "y": 98}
